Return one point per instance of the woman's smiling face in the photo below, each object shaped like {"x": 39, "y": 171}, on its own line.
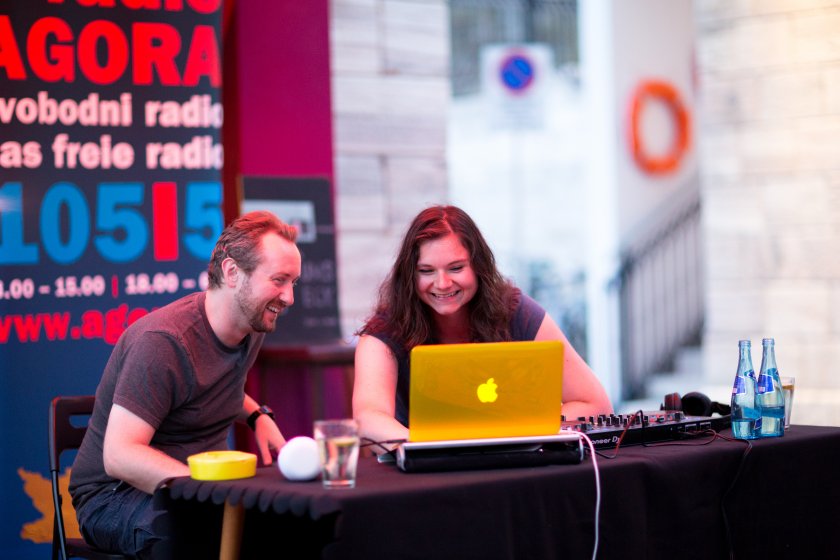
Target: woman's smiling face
{"x": 445, "y": 279}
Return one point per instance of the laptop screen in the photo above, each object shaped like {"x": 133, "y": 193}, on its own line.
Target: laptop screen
{"x": 485, "y": 390}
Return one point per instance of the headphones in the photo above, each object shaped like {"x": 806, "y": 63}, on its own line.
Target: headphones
{"x": 694, "y": 404}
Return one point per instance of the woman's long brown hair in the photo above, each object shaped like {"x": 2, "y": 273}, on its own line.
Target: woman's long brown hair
{"x": 403, "y": 317}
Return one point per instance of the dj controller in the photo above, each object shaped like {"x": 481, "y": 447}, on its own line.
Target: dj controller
{"x": 605, "y": 431}
{"x": 645, "y": 427}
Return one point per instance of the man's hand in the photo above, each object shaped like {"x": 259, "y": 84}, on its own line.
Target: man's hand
{"x": 268, "y": 437}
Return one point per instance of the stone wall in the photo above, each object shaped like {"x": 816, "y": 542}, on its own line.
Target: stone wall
{"x": 769, "y": 83}
{"x": 390, "y": 87}
{"x": 768, "y": 90}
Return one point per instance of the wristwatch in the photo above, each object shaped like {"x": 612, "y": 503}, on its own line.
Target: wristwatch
{"x": 252, "y": 419}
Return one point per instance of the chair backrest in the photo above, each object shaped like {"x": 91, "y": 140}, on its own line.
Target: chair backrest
{"x": 64, "y": 435}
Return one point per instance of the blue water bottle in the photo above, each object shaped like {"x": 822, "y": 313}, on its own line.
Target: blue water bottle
{"x": 744, "y": 416}
{"x": 769, "y": 398}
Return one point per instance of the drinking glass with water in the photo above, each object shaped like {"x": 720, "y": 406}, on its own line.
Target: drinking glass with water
{"x": 338, "y": 447}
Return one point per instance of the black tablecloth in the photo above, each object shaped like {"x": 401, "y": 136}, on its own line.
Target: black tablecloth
{"x": 662, "y": 501}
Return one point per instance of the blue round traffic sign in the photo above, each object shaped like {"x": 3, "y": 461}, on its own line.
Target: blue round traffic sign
{"x": 517, "y": 72}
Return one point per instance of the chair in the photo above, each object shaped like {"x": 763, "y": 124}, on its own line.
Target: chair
{"x": 65, "y": 436}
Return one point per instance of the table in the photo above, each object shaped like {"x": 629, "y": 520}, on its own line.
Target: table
{"x": 657, "y": 502}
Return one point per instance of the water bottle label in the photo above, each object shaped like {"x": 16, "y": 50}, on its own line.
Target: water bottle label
{"x": 750, "y": 373}
{"x": 764, "y": 384}
{"x": 739, "y": 388}
{"x": 757, "y": 425}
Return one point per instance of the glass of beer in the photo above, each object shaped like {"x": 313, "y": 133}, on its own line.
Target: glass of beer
{"x": 788, "y": 386}
{"x": 338, "y": 448}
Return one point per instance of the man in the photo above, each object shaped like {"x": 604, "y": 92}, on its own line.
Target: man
{"x": 175, "y": 382}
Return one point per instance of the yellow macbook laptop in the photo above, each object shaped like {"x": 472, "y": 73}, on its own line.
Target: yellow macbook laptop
{"x": 485, "y": 390}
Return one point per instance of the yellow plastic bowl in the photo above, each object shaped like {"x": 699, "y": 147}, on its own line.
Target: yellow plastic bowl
{"x": 222, "y": 465}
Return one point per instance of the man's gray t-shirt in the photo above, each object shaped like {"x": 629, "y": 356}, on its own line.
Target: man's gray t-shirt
{"x": 171, "y": 370}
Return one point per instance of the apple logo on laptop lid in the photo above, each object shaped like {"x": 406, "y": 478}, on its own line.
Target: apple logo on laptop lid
{"x": 487, "y": 391}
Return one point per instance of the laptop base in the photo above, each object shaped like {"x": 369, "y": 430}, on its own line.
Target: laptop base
{"x": 495, "y": 453}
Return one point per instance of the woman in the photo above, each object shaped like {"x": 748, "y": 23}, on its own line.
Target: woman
{"x": 444, "y": 288}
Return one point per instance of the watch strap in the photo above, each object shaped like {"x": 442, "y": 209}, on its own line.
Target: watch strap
{"x": 252, "y": 418}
